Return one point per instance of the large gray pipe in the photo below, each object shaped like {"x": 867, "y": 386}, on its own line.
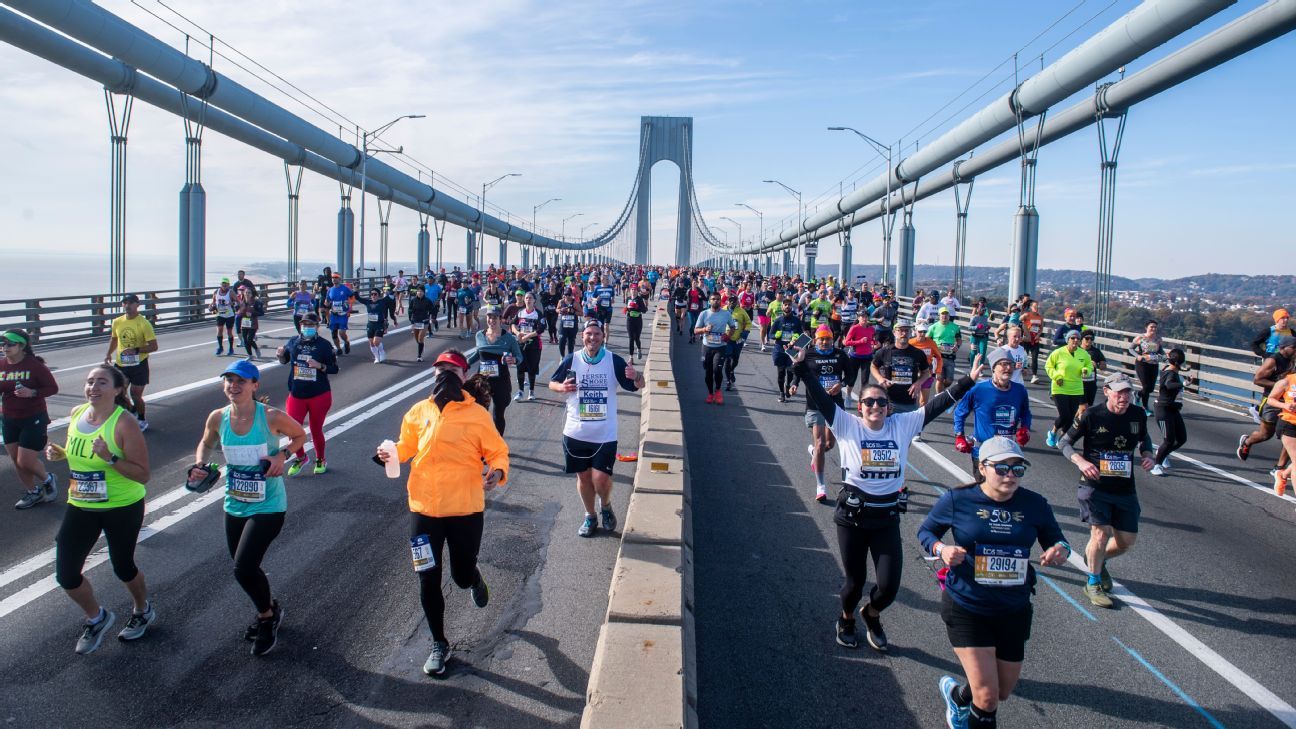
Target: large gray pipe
{"x": 1145, "y": 27}
{"x": 1258, "y": 27}
{"x": 99, "y": 28}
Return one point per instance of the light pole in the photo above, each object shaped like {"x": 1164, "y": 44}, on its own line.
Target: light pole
{"x": 364, "y": 160}
{"x": 888, "y": 221}
{"x": 581, "y": 235}
{"x": 563, "y": 234}
{"x": 481, "y": 221}
{"x": 798, "y": 225}
{"x": 759, "y": 216}
{"x": 536, "y": 208}
{"x": 740, "y": 238}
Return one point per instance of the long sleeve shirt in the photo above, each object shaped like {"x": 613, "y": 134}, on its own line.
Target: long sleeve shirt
{"x": 994, "y": 411}
{"x": 32, "y": 374}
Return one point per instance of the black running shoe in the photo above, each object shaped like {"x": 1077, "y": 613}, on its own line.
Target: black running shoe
{"x": 874, "y": 634}
{"x": 846, "y": 633}
{"x": 254, "y": 630}
{"x": 480, "y": 592}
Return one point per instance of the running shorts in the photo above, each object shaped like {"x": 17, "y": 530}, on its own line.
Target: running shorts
{"x": 1268, "y": 414}
{"x": 1102, "y": 508}
{"x": 1281, "y": 428}
{"x": 1007, "y": 633}
{"x": 375, "y": 329}
{"x": 338, "y": 322}
{"x": 814, "y": 417}
{"x": 28, "y": 433}
{"x": 225, "y": 321}
{"x": 947, "y": 368}
{"x": 583, "y": 455}
{"x": 137, "y": 375}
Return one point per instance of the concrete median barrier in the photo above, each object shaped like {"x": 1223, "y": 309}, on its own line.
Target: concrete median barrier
{"x": 642, "y": 676}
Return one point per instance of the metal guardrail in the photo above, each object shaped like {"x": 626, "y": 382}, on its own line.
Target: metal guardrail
{"x": 1219, "y": 373}
{"x": 62, "y": 319}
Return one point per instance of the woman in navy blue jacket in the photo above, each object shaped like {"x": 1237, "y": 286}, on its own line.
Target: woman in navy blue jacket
{"x": 986, "y": 602}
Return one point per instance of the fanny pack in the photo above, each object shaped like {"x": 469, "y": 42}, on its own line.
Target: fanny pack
{"x": 856, "y": 508}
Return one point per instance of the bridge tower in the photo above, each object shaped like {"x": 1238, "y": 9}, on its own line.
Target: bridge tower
{"x": 665, "y": 138}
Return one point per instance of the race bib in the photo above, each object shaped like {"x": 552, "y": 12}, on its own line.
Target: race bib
{"x": 1035, "y": 328}
{"x": 592, "y": 405}
{"x": 946, "y": 349}
{"x": 525, "y": 325}
{"x": 902, "y": 374}
{"x": 568, "y": 321}
{"x": 339, "y": 308}
{"x": 247, "y": 323}
{"x": 713, "y": 339}
{"x": 90, "y": 486}
{"x": 245, "y": 485}
{"x": 303, "y": 309}
{"x": 1115, "y": 464}
{"x": 828, "y": 381}
{"x": 1005, "y": 420}
{"x": 489, "y": 367}
{"x": 129, "y": 360}
{"x": 304, "y": 373}
{"x": 421, "y": 552}
{"x": 224, "y": 311}
{"x": 998, "y": 566}
{"x": 373, "y": 317}
{"x": 879, "y": 456}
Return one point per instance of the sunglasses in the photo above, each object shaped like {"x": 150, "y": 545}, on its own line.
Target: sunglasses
{"x": 1003, "y": 469}
{"x": 874, "y": 402}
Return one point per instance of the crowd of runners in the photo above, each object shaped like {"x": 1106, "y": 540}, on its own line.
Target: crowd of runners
{"x": 871, "y": 371}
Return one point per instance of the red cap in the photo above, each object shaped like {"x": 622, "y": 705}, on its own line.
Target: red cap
{"x": 454, "y": 358}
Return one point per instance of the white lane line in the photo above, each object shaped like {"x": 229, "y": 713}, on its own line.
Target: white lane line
{"x": 48, "y": 583}
{"x": 191, "y": 386}
{"x": 1267, "y": 699}
{"x": 73, "y": 368}
{"x": 32, "y": 564}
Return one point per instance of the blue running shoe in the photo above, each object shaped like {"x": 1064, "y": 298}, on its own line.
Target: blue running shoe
{"x": 956, "y": 716}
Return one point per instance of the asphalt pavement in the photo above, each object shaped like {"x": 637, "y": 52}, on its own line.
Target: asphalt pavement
{"x": 1201, "y": 634}
{"x": 353, "y": 639}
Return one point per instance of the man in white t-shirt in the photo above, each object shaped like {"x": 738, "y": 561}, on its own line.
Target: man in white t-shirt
{"x": 1016, "y": 352}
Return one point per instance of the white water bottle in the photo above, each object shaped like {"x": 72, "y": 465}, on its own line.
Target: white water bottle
{"x": 393, "y": 461}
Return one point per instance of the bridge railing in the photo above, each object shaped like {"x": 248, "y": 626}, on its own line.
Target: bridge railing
{"x": 1222, "y": 374}
{"x": 63, "y": 319}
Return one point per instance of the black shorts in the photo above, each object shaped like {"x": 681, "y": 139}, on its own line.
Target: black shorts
{"x": 1007, "y": 633}
{"x": 583, "y": 455}
{"x": 1103, "y": 508}
{"x": 375, "y": 330}
{"x": 1282, "y": 428}
{"x": 1268, "y": 414}
{"x": 29, "y": 433}
{"x": 226, "y": 322}
{"x": 138, "y": 375}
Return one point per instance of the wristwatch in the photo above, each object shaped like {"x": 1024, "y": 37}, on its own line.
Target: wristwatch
{"x": 113, "y": 459}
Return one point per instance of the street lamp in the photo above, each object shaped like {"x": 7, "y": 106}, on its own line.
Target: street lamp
{"x": 481, "y": 236}
{"x": 889, "y": 221}
{"x": 581, "y": 235}
{"x": 759, "y": 216}
{"x": 740, "y": 238}
{"x": 535, "y": 209}
{"x": 563, "y": 234}
{"x": 798, "y": 197}
{"x": 364, "y": 160}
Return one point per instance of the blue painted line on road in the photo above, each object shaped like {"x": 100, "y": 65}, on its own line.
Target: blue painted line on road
{"x": 1178, "y": 691}
{"x": 923, "y": 476}
{"x": 1065, "y": 596}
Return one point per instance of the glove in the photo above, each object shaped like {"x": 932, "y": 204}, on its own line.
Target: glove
{"x": 961, "y": 444}
{"x": 1023, "y": 435}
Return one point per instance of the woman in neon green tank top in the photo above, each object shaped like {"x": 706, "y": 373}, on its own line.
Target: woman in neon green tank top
{"x": 109, "y": 465}
{"x": 248, "y": 434}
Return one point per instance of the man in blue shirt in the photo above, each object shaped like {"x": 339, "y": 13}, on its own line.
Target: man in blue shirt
{"x": 998, "y": 407}
{"x": 338, "y": 300}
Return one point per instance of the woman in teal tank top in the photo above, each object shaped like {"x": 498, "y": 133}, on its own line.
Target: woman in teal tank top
{"x": 109, "y": 465}
{"x": 248, "y": 434}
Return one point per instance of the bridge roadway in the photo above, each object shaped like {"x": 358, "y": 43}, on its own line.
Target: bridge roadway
{"x": 354, "y": 638}
{"x": 1212, "y": 563}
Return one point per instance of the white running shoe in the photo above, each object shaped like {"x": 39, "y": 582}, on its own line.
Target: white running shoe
{"x": 517, "y": 396}
{"x": 143, "y": 425}
{"x": 1157, "y": 470}
{"x": 530, "y": 394}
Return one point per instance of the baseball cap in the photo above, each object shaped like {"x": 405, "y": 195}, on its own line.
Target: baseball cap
{"x": 923, "y": 326}
{"x": 592, "y": 323}
{"x": 244, "y": 369}
{"x": 944, "y": 310}
{"x": 1117, "y": 382}
{"x": 1000, "y": 448}
{"x": 453, "y": 358}
{"x": 997, "y": 355}
{"x": 225, "y": 280}
{"x": 492, "y": 311}
{"x": 130, "y": 299}
{"x": 903, "y": 324}
{"x": 1281, "y": 314}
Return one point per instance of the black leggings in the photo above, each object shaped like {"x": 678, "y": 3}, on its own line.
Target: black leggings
{"x": 501, "y": 391}
{"x": 1172, "y": 425}
{"x": 735, "y": 352}
{"x": 786, "y": 379}
{"x": 888, "y": 560}
{"x": 248, "y": 539}
{"x": 1090, "y": 392}
{"x": 1034, "y": 351}
{"x": 713, "y": 364}
{"x": 462, "y": 534}
{"x": 1067, "y": 407}
{"x": 1147, "y": 377}
{"x": 634, "y": 328}
{"x": 551, "y": 321}
{"x": 249, "y": 340}
{"x": 529, "y": 366}
{"x": 855, "y": 366}
{"x": 566, "y": 342}
{"x": 79, "y": 532}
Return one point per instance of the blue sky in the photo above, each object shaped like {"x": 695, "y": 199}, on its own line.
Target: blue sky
{"x": 555, "y": 91}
